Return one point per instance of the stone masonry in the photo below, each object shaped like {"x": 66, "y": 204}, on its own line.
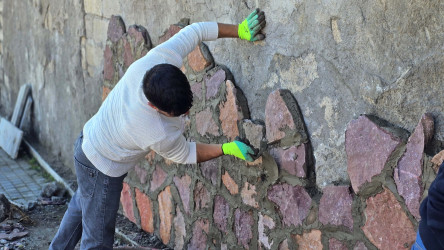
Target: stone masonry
{"x": 274, "y": 202}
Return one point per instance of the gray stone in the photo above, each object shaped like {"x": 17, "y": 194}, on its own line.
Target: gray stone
{"x": 243, "y": 223}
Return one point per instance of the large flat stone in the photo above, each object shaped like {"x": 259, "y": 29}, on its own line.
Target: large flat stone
{"x": 126, "y": 199}
{"x": 248, "y": 194}
{"x": 293, "y": 202}
{"x": 283, "y": 119}
{"x": 254, "y": 133}
{"x": 231, "y": 112}
{"x": 205, "y": 124}
{"x": 145, "y": 207}
{"x": 368, "y": 148}
{"x": 293, "y": 159}
{"x": 387, "y": 225}
{"x": 170, "y": 32}
{"x": 183, "y": 186}
{"x": 116, "y": 28}
{"x": 221, "y": 213}
{"x": 179, "y": 229}
{"x": 334, "y": 244}
{"x": 230, "y": 184}
{"x": 265, "y": 221}
{"x": 213, "y": 83}
{"x": 198, "y": 59}
{"x": 243, "y": 225}
{"x": 199, "y": 238}
{"x": 210, "y": 170}
{"x": 408, "y": 173}
{"x": 310, "y": 240}
{"x": 335, "y": 207}
{"x": 165, "y": 214}
{"x": 201, "y": 197}
{"x": 159, "y": 176}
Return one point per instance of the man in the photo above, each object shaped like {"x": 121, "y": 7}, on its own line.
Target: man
{"x": 431, "y": 227}
{"x": 141, "y": 113}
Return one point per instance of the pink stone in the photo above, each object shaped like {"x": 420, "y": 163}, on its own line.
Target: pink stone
{"x": 265, "y": 221}
{"x": 282, "y": 117}
{"x": 230, "y": 112}
{"x": 197, "y": 60}
{"x": 201, "y": 196}
{"x": 254, "y": 133}
{"x": 293, "y": 202}
{"x": 221, "y": 213}
{"x": 334, "y": 244}
{"x": 126, "y": 198}
{"x": 179, "y": 229}
{"x": 108, "y": 67}
{"x": 210, "y": 170}
{"x": 165, "y": 214}
{"x": 408, "y": 173}
{"x": 172, "y": 30}
{"x": 293, "y": 160}
{"x": 360, "y": 246}
{"x": 200, "y": 231}
{"x": 183, "y": 185}
{"x": 116, "y": 28}
{"x": 159, "y": 177}
{"x": 214, "y": 82}
{"x": 335, "y": 207}
{"x": 139, "y": 35}
{"x": 145, "y": 207}
{"x": 311, "y": 240}
{"x": 284, "y": 245}
{"x": 196, "y": 88}
{"x": 243, "y": 223}
{"x": 368, "y": 149}
{"x": 230, "y": 184}
{"x": 205, "y": 123}
{"x": 141, "y": 173}
{"x": 387, "y": 226}
{"x": 248, "y": 194}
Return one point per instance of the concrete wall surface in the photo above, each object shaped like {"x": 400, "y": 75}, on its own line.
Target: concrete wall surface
{"x": 324, "y": 62}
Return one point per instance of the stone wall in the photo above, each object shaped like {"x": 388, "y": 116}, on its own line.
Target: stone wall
{"x": 273, "y": 202}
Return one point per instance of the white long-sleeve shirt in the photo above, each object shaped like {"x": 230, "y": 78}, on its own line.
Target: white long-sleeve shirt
{"x": 126, "y": 128}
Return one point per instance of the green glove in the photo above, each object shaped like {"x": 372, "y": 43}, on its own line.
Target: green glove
{"x": 250, "y": 27}
{"x": 239, "y": 148}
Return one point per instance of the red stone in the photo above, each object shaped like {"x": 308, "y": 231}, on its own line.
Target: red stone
{"x": 230, "y": 184}
{"x": 311, "y": 240}
{"x": 108, "y": 66}
{"x": 201, "y": 196}
{"x": 387, "y": 226}
{"x": 172, "y": 30}
{"x": 145, "y": 207}
{"x": 335, "y": 207}
{"x": 282, "y": 114}
{"x": 128, "y": 57}
{"x": 126, "y": 198}
{"x": 183, "y": 185}
{"x": 200, "y": 231}
{"x": 210, "y": 170}
{"x": 248, "y": 194}
{"x": 105, "y": 92}
{"x": 230, "y": 112}
{"x": 197, "y": 60}
{"x": 205, "y": 123}
{"x": 213, "y": 83}
{"x": 334, "y": 244}
{"x": 141, "y": 173}
{"x": 265, "y": 221}
{"x": 408, "y": 173}
{"x": 243, "y": 223}
{"x": 368, "y": 148}
{"x": 158, "y": 178}
{"x": 293, "y": 202}
{"x": 179, "y": 229}
{"x": 116, "y": 28}
{"x": 293, "y": 160}
{"x": 165, "y": 214}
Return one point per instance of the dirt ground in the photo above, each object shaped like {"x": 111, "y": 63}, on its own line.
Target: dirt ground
{"x": 42, "y": 221}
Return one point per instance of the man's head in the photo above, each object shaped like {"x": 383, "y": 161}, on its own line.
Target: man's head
{"x": 168, "y": 89}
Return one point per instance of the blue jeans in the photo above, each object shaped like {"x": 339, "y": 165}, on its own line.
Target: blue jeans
{"x": 418, "y": 245}
{"x": 92, "y": 211}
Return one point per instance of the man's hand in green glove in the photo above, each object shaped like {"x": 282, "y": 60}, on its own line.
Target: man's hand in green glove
{"x": 250, "y": 27}
{"x": 240, "y": 148}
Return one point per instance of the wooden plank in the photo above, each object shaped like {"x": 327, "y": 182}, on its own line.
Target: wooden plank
{"x": 26, "y": 112}
{"x": 20, "y": 104}
{"x": 10, "y": 138}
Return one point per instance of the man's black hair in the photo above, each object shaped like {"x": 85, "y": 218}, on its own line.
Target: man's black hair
{"x": 167, "y": 88}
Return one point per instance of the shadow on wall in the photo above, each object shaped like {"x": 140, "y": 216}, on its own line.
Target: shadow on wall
{"x": 227, "y": 203}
